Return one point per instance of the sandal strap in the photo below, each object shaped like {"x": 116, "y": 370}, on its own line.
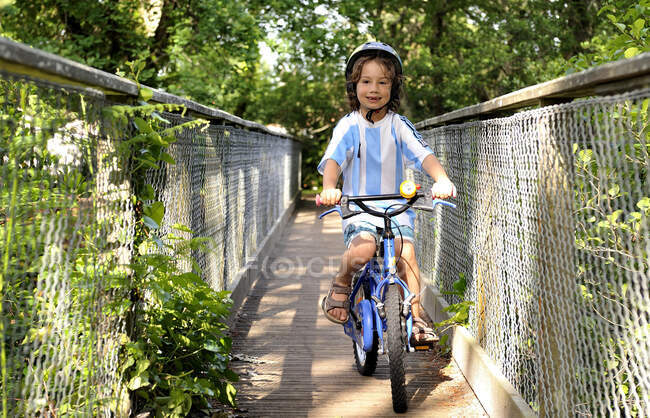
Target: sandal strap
{"x": 333, "y": 303}
{"x": 341, "y": 289}
{"x": 422, "y": 326}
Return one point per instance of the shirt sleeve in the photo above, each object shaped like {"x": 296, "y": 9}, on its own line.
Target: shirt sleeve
{"x": 414, "y": 147}
{"x": 340, "y": 147}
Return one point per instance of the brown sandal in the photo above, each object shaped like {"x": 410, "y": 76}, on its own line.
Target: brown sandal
{"x": 328, "y": 303}
{"x": 424, "y": 334}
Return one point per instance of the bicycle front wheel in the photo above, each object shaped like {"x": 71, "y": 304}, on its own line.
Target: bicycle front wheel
{"x": 395, "y": 340}
{"x": 366, "y": 362}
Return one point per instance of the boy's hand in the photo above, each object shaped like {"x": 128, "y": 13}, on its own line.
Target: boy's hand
{"x": 330, "y": 197}
{"x": 443, "y": 189}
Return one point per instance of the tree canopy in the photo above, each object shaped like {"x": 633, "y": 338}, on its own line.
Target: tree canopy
{"x": 456, "y": 52}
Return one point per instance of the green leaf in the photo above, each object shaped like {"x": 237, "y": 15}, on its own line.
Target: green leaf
{"x": 167, "y": 158}
{"x": 231, "y": 375}
{"x": 148, "y": 163}
{"x": 157, "y": 116}
{"x": 585, "y": 155}
{"x": 142, "y": 365}
{"x": 139, "y": 381}
{"x": 631, "y": 52}
{"x": 148, "y": 193}
{"x": 213, "y": 346}
{"x": 644, "y": 204}
{"x": 637, "y": 26}
{"x": 183, "y": 228}
{"x": 227, "y": 395}
{"x": 130, "y": 361}
{"x": 156, "y": 211}
{"x": 614, "y": 190}
{"x": 150, "y": 223}
{"x": 142, "y": 125}
{"x": 613, "y": 217}
{"x": 145, "y": 94}
{"x": 460, "y": 285}
{"x": 642, "y": 333}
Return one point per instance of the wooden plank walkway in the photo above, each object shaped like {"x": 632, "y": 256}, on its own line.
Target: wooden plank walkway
{"x": 292, "y": 362}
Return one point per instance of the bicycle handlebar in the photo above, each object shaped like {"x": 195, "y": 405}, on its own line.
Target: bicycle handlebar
{"x": 343, "y": 208}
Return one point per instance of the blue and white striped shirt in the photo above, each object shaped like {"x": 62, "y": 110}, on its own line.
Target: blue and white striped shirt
{"x": 373, "y": 158}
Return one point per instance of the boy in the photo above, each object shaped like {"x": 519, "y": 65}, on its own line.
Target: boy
{"x": 371, "y": 147}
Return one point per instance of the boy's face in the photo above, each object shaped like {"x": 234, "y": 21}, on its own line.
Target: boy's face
{"x": 373, "y": 88}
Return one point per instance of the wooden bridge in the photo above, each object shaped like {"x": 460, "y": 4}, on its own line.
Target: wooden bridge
{"x": 294, "y": 362}
{"x": 551, "y": 234}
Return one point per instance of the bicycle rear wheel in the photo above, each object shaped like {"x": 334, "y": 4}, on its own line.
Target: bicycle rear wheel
{"x": 396, "y": 346}
{"x": 366, "y": 361}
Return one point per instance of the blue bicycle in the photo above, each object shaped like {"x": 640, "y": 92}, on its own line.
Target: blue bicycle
{"x": 380, "y": 300}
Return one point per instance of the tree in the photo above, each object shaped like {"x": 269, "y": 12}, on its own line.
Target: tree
{"x": 203, "y": 49}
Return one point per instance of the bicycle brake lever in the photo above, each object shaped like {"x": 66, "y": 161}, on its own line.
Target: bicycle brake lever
{"x": 443, "y": 202}
{"x": 327, "y": 212}
{"x": 345, "y": 208}
{"x": 433, "y": 205}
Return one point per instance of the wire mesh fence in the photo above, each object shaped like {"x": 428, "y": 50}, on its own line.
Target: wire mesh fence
{"x": 67, "y": 229}
{"x": 552, "y": 234}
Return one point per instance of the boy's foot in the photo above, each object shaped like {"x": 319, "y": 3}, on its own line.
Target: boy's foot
{"x": 336, "y": 305}
{"x": 422, "y": 333}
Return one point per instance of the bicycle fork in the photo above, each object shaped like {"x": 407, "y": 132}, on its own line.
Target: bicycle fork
{"x": 380, "y": 311}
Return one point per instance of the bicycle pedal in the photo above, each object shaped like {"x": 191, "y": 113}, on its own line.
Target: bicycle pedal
{"x": 432, "y": 345}
{"x": 423, "y": 347}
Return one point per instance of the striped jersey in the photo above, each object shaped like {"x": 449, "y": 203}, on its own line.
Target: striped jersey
{"x": 373, "y": 158}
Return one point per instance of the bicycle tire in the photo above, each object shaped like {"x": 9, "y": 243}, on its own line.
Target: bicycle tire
{"x": 395, "y": 343}
{"x": 366, "y": 361}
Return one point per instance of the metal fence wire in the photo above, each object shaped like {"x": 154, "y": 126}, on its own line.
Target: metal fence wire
{"x": 67, "y": 230}
{"x": 552, "y": 234}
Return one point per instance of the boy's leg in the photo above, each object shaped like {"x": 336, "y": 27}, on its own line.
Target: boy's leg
{"x": 361, "y": 250}
{"x": 408, "y": 270}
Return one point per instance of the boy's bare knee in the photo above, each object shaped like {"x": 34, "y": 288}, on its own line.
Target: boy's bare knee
{"x": 362, "y": 249}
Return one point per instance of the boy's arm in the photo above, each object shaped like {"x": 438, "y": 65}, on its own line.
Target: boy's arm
{"x": 443, "y": 187}
{"x": 330, "y": 194}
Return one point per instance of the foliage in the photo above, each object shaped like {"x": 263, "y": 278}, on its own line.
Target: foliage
{"x": 459, "y": 310}
{"x": 65, "y": 291}
{"x": 609, "y": 234}
{"x": 456, "y": 53}
{"x": 179, "y": 354}
{"x": 38, "y": 190}
{"x": 624, "y": 33}
{"x": 612, "y": 215}
{"x": 203, "y": 49}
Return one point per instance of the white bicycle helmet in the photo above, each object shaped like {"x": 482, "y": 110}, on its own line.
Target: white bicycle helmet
{"x": 370, "y": 48}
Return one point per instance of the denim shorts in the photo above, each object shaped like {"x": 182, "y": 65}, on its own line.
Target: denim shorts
{"x": 354, "y": 229}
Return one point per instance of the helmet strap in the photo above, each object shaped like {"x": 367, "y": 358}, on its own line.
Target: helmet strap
{"x": 371, "y": 111}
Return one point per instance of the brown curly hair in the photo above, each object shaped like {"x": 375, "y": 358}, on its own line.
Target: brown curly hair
{"x": 355, "y": 76}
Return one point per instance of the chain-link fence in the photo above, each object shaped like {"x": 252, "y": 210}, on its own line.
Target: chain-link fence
{"x": 552, "y": 234}
{"x": 67, "y": 224}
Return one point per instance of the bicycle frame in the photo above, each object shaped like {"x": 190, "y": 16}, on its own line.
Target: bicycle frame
{"x": 371, "y": 311}
{"x": 378, "y": 280}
